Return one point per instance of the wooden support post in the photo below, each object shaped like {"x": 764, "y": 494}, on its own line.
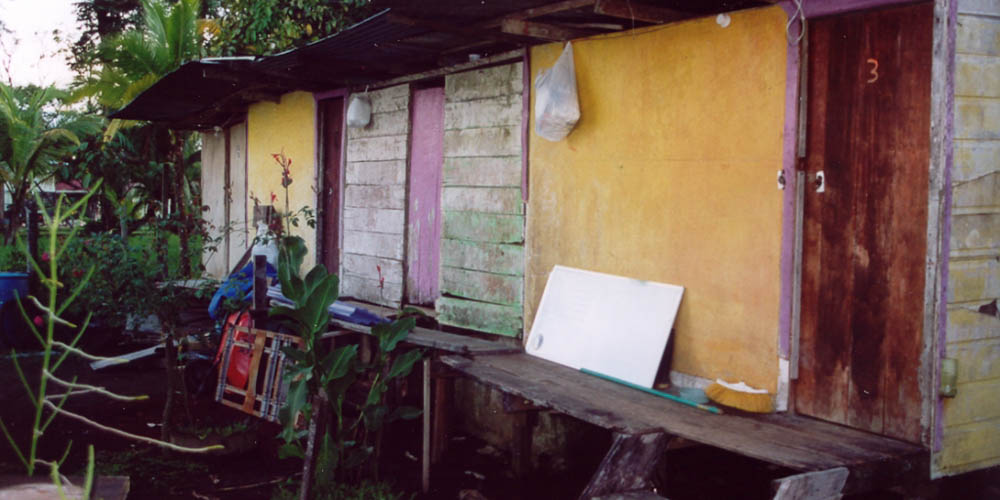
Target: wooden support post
{"x": 439, "y": 428}
{"x": 260, "y": 300}
{"x": 825, "y": 484}
{"x": 628, "y": 465}
{"x": 520, "y": 449}
{"x": 425, "y": 456}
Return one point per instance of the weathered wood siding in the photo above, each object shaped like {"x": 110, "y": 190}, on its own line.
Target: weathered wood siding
{"x": 482, "y": 247}
{"x": 375, "y": 201}
{"x": 213, "y": 195}
{"x": 971, "y": 437}
{"x": 223, "y": 188}
{"x": 241, "y": 235}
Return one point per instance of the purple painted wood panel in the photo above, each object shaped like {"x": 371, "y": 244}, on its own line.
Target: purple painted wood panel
{"x": 423, "y": 254}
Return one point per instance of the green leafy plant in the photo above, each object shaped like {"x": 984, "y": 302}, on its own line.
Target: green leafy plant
{"x": 55, "y": 352}
{"x": 341, "y": 434}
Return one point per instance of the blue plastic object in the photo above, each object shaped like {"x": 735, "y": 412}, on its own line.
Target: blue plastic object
{"x": 11, "y": 282}
{"x": 237, "y": 285}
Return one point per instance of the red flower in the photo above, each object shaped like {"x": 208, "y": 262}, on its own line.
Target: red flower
{"x": 77, "y": 273}
{"x": 45, "y": 257}
{"x": 274, "y": 197}
{"x": 37, "y": 321}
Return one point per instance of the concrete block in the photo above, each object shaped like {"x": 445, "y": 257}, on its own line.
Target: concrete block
{"x": 977, "y": 75}
{"x": 977, "y": 360}
{"x": 977, "y": 118}
{"x": 972, "y": 159}
{"x": 977, "y": 35}
{"x": 375, "y": 196}
{"x": 484, "y": 83}
{"x": 966, "y": 323}
{"x": 973, "y": 280}
{"x": 391, "y": 147}
{"x": 483, "y": 171}
{"x": 496, "y": 200}
{"x": 374, "y": 268}
{"x": 374, "y": 244}
{"x": 478, "y": 256}
{"x": 974, "y": 402}
{"x": 499, "y": 141}
{"x": 976, "y": 232}
{"x": 498, "y": 111}
{"x": 979, "y": 192}
{"x": 375, "y": 220}
{"x": 376, "y": 172}
{"x": 989, "y": 7}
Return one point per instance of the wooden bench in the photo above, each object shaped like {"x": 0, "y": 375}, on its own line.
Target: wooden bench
{"x": 826, "y": 457}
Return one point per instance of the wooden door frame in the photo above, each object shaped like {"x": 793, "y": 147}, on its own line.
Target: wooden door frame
{"x": 938, "y": 204}
{"x": 320, "y": 163}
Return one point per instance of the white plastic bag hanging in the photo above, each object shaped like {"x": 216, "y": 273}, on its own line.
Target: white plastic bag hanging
{"x": 359, "y": 111}
{"x": 557, "y": 106}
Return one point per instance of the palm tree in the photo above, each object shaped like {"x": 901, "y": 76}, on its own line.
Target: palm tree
{"x": 167, "y": 37}
{"x": 33, "y": 140}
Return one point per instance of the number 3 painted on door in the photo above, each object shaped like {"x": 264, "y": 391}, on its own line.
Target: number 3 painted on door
{"x": 874, "y": 70}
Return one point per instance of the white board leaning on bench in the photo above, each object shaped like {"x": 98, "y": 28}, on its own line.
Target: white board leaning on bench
{"x": 609, "y": 324}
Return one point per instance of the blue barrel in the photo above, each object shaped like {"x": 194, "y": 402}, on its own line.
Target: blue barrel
{"x": 12, "y": 328}
{"x": 9, "y": 282}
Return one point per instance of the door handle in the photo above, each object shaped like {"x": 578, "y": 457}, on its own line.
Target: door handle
{"x": 820, "y": 182}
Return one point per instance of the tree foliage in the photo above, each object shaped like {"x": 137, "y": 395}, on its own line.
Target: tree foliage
{"x": 258, "y": 27}
{"x": 34, "y": 139}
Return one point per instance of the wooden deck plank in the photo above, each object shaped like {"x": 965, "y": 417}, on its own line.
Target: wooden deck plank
{"x": 442, "y": 341}
{"x": 794, "y": 442}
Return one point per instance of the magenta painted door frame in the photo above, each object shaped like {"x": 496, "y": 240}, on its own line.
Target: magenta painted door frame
{"x": 423, "y": 254}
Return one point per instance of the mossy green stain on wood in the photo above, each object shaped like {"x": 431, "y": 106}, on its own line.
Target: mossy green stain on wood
{"x": 473, "y": 226}
{"x": 491, "y": 318}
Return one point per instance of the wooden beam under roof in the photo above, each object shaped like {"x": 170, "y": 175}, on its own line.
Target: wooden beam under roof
{"x": 471, "y": 33}
{"x": 639, "y": 12}
{"x": 549, "y": 32}
{"x": 539, "y": 11}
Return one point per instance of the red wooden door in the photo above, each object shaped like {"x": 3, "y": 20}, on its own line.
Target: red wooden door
{"x": 424, "y": 211}
{"x": 331, "y": 136}
{"x": 864, "y": 235}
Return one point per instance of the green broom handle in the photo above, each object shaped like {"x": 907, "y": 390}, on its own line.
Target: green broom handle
{"x": 654, "y": 392}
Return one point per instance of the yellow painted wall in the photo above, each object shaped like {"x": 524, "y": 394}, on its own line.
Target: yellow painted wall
{"x": 288, "y": 126}
{"x": 670, "y": 176}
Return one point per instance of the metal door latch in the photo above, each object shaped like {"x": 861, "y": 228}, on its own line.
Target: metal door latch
{"x": 820, "y": 182}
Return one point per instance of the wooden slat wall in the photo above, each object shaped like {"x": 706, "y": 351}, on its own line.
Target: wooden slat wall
{"x": 971, "y": 438}
{"x": 482, "y": 247}
{"x": 241, "y": 235}
{"x": 213, "y": 192}
{"x": 375, "y": 201}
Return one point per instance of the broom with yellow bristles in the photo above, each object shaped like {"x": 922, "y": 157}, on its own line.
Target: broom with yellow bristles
{"x": 740, "y": 396}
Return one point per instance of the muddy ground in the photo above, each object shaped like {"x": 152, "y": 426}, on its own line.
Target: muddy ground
{"x": 468, "y": 468}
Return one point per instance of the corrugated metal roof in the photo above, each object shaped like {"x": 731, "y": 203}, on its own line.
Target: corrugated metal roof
{"x": 409, "y": 38}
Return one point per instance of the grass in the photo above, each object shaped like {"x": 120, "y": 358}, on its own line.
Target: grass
{"x": 12, "y": 257}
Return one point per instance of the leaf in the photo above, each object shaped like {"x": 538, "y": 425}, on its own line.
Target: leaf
{"x": 297, "y": 398}
{"x": 403, "y": 364}
{"x": 395, "y": 332}
{"x": 338, "y": 363}
{"x": 290, "y": 450}
{"x": 294, "y": 353}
